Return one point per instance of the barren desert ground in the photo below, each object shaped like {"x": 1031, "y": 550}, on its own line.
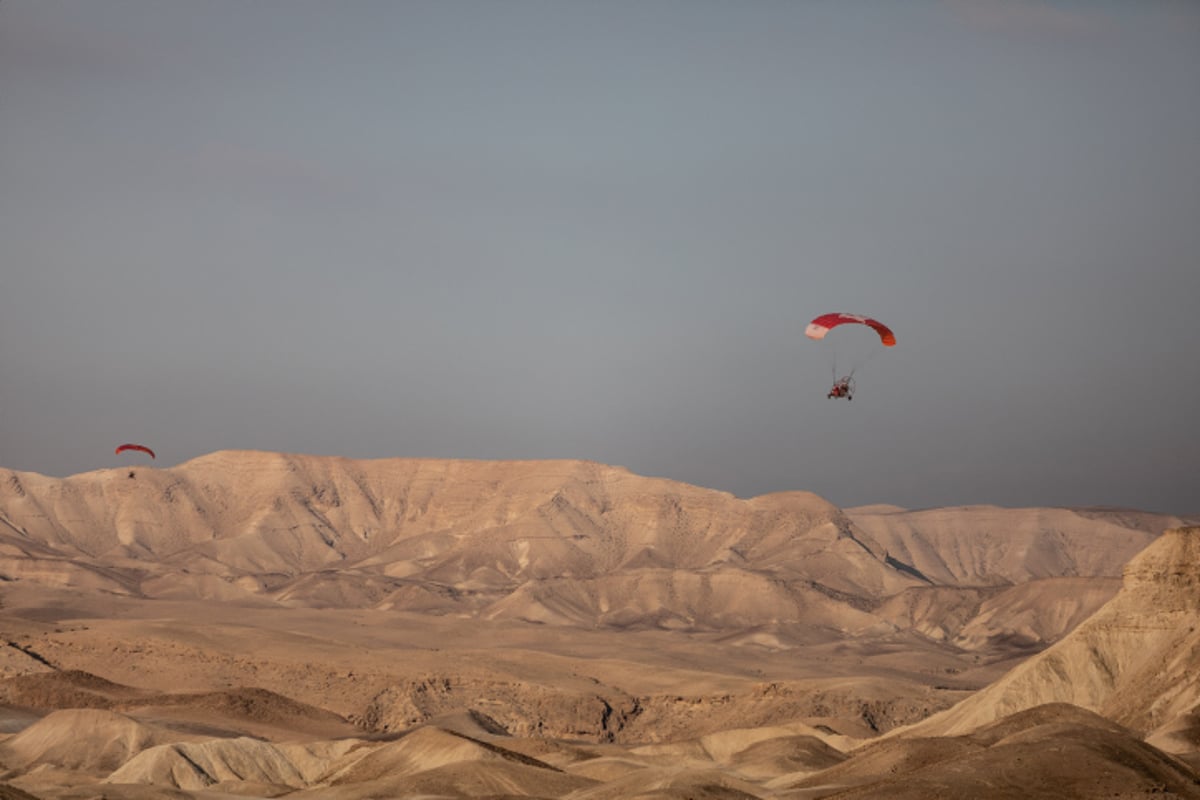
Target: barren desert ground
{"x": 253, "y": 624}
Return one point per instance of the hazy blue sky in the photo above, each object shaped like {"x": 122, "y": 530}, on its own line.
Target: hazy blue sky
{"x": 558, "y": 228}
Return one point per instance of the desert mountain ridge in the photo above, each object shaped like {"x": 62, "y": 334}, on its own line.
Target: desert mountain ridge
{"x": 556, "y": 542}
{"x": 263, "y": 625}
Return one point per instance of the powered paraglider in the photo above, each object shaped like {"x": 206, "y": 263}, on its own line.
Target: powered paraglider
{"x": 817, "y": 329}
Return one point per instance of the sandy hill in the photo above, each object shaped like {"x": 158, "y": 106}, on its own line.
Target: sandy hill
{"x": 1005, "y": 579}
{"x": 233, "y": 712}
{"x": 1136, "y": 660}
{"x": 428, "y": 762}
{"x": 204, "y": 764}
{"x": 1050, "y": 751}
{"x": 86, "y": 740}
{"x": 982, "y": 618}
{"x": 65, "y": 689}
{"x": 989, "y": 545}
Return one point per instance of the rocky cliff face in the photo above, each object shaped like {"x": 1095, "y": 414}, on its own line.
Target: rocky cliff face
{"x": 600, "y": 713}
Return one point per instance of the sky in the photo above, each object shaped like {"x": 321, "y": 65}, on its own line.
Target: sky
{"x": 597, "y": 229}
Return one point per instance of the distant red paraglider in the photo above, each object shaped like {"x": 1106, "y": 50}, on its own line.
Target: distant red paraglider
{"x": 139, "y": 447}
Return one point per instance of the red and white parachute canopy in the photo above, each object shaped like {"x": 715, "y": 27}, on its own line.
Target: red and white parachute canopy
{"x": 822, "y": 324}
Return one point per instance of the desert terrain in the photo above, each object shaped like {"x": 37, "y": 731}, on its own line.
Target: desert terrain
{"x": 251, "y": 624}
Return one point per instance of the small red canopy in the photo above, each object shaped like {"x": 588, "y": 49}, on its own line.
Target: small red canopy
{"x": 140, "y": 447}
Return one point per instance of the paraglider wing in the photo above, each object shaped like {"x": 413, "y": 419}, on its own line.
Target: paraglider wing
{"x": 139, "y": 447}
{"x": 822, "y": 324}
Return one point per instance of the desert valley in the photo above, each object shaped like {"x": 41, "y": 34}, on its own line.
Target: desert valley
{"x": 252, "y": 624}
